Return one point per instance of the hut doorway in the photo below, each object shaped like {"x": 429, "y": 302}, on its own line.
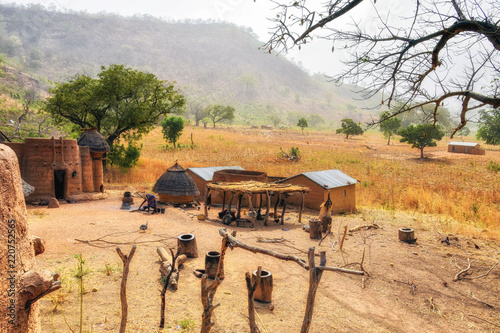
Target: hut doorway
{"x": 59, "y": 177}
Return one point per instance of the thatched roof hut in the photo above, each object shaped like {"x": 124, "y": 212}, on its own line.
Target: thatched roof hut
{"x": 94, "y": 140}
{"x": 176, "y": 186}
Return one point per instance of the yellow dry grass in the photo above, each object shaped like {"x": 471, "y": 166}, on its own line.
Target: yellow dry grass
{"x": 458, "y": 187}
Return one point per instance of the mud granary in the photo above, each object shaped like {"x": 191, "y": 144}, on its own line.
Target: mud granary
{"x": 62, "y": 168}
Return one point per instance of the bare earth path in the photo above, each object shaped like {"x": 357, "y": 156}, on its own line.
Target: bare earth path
{"x": 437, "y": 304}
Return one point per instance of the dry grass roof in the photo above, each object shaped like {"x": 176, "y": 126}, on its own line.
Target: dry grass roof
{"x": 257, "y": 187}
{"x": 177, "y": 182}
{"x": 94, "y": 140}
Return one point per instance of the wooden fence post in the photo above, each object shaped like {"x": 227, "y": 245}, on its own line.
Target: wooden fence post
{"x": 123, "y": 291}
{"x": 314, "y": 277}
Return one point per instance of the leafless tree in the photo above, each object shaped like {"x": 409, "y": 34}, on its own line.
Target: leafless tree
{"x": 416, "y": 53}
{"x": 198, "y": 111}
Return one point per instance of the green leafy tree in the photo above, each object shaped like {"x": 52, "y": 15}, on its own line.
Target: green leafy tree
{"x": 389, "y": 126}
{"x": 119, "y": 101}
{"x": 217, "y": 113}
{"x": 302, "y": 124}
{"x": 125, "y": 157}
{"x": 489, "y": 128}
{"x": 172, "y": 129}
{"x": 349, "y": 127}
{"x": 421, "y": 136}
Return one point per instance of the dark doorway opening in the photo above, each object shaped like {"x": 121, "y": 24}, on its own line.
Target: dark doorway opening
{"x": 59, "y": 176}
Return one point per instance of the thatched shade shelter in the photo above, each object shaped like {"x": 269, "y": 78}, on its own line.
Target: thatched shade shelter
{"x": 265, "y": 191}
{"x": 98, "y": 147}
{"x": 176, "y": 186}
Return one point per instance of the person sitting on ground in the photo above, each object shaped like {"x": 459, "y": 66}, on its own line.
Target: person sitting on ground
{"x": 151, "y": 203}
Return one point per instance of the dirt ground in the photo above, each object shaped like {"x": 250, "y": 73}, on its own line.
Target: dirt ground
{"x": 410, "y": 287}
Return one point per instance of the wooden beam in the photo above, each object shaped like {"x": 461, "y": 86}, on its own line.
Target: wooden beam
{"x": 301, "y": 207}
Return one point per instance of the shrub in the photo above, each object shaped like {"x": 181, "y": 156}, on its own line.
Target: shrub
{"x": 493, "y": 166}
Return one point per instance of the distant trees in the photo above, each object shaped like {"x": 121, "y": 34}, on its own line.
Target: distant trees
{"x": 421, "y": 136}
{"x": 275, "y": 119}
{"x": 489, "y": 128}
{"x": 120, "y": 101}
{"x": 302, "y": 124}
{"x": 389, "y": 126}
{"x": 172, "y": 129}
{"x": 198, "y": 111}
{"x": 349, "y": 127}
{"x": 217, "y": 113}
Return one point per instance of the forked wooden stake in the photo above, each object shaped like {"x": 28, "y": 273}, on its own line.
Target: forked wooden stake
{"x": 165, "y": 287}
{"x": 251, "y": 285}
{"x": 123, "y": 291}
{"x": 315, "y": 274}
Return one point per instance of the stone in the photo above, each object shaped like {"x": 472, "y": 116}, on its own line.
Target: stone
{"x": 53, "y": 203}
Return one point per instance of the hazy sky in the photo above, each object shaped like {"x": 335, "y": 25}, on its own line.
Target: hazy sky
{"x": 316, "y": 59}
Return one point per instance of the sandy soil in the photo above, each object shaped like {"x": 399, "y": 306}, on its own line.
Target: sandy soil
{"x": 410, "y": 288}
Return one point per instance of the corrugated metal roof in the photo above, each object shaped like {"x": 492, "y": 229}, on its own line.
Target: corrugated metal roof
{"x": 463, "y": 144}
{"x": 327, "y": 178}
{"x": 207, "y": 173}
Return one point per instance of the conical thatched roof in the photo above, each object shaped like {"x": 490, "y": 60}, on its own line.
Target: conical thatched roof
{"x": 175, "y": 181}
{"x": 94, "y": 140}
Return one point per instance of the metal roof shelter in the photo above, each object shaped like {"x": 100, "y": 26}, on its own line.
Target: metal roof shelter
{"x": 327, "y": 178}
{"x": 208, "y": 172}
{"x": 464, "y": 144}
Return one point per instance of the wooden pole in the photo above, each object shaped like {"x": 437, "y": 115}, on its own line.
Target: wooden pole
{"x": 123, "y": 290}
{"x": 207, "y": 193}
{"x": 240, "y": 197}
{"x": 301, "y": 207}
{"x": 285, "y": 197}
{"x": 236, "y": 243}
{"x": 223, "y": 200}
{"x": 314, "y": 278}
{"x": 251, "y": 285}
{"x": 268, "y": 207}
{"x": 165, "y": 287}
{"x": 278, "y": 197}
{"x": 251, "y": 210}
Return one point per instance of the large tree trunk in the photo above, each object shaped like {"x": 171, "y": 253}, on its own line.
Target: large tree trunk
{"x": 17, "y": 255}
{"x": 421, "y": 153}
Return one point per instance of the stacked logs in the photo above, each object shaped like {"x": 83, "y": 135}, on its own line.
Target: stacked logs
{"x": 166, "y": 266}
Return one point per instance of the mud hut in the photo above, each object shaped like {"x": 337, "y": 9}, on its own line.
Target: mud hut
{"x": 92, "y": 170}
{"x": 342, "y": 189}
{"x": 465, "y": 148}
{"x": 176, "y": 186}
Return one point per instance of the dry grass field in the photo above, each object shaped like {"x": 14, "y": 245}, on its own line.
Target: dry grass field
{"x": 458, "y": 190}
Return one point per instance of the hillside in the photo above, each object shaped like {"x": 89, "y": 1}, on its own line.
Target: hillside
{"x": 212, "y": 62}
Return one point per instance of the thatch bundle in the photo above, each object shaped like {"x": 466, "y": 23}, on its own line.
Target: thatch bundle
{"x": 257, "y": 187}
{"x": 175, "y": 185}
{"x": 94, "y": 140}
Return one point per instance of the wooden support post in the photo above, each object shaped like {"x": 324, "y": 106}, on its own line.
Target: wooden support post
{"x": 251, "y": 285}
{"x": 268, "y": 207}
{"x": 240, "y": 197}
{"x": 123, "y": 290}
{"x": 207, "y": 193}
{"x": 285, "y": 198}
{"x": 301, "y": 207}
{"x": 223, "y": 200}
{"x": 314, "y": 278}
{"x": 251, "y": 210}
{"x": 278, "y": 197}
